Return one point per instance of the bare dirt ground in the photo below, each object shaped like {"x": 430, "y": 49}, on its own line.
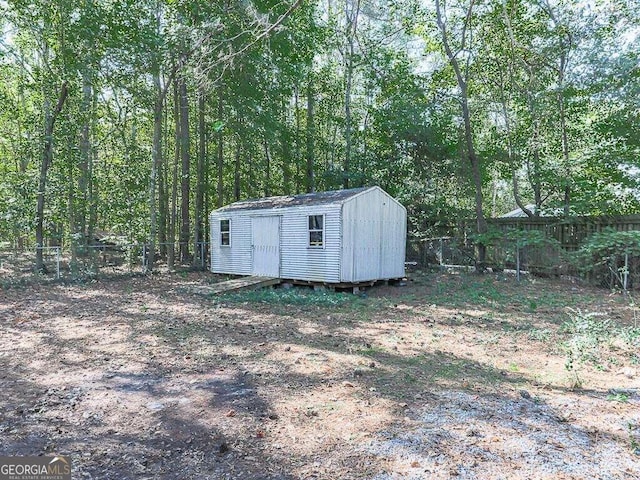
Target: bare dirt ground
{"x": 452, "y": 376}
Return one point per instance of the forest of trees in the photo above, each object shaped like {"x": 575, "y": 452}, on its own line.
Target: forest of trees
{"x": 137, "y": 117}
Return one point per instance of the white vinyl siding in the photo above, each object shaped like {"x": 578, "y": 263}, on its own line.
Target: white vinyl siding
{"x": 299, "y": 260}
{"x": 235, "y": 258}
{"x": 374, "y": 235}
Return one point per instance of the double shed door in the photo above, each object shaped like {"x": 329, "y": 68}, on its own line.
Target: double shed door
{"x": 265, "y": 246}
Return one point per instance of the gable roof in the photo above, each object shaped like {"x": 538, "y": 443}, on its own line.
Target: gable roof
{"x": 316, "y": 198}
{"x": 518, "y": 212}
{"x": 546, "y": 212}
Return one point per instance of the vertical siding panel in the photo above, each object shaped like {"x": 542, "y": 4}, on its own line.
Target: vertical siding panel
{"x": 374, "y": 226}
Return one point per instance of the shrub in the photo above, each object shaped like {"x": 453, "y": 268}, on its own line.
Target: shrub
{"x": 610, "y": 258}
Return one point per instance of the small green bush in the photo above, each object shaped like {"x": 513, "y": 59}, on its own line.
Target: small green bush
{"x": 589, "y": 336}
{"x": 608, "y": 257}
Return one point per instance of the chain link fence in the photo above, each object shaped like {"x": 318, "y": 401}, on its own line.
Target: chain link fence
{"x": 543, "y": 258}
{"x": 100, "y": 260}
{"x": 441, "y": 252}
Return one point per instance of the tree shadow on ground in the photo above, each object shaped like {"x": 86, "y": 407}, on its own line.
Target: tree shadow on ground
{"x": 178, "y": 388}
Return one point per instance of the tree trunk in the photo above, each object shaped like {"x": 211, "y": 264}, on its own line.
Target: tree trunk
{"x": 352, "y": 25}
{"x": 92, "y": 191}
{"x": 518, "y": 199}
{"x": 156, "y": 162}
{"x": 474, "y": 160}
{"x": 163, "y": 201}
{"x": 512, "y": 156}
{"x": 47, "y": 159}
{"x": 310, "y": 177}
{"x": 71, "y": 217}
{"x": 565, "y": 156}
{"x": 565, "y": 46}
{"x": 267, "y": 169}
{"x": 297, "y": 156}
{"x": 85, "y": 153}
{"x": 185, "y": 178}
{"x": 164, "y": 183}
{"x": 220, "y": 161}
{"x": 174, "y": 180}
{"x": 202, "y": 144}
{"x": 236, "y": 172}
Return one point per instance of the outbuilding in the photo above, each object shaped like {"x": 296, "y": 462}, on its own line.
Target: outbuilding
{"x": 337, "y": 237}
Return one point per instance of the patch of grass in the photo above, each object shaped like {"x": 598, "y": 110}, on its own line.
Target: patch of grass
{"x": 296, "y": 296}
{"x": 630, "y": 335}
{"x": 618, "y": 397}
{"x": 461, "y": 290}
{"x": 451, "y": 370}
{"x": 491, "y": 339}
{"x": 371, "y": 351}
{"x": 532, "y": 297}
{"x": 587, "y": 333}
{"x": 408, "y": 378}
{"x": 361, "y": 307}
{"x": 540, "y": 334}
{"x": 8, "y": 284}
{"x": 592, "y": 334}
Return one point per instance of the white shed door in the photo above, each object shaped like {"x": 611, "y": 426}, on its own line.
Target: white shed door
{"x": 265, "y": 232}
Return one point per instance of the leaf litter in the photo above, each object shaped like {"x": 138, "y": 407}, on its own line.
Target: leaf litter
{"x": 135, "y": 379}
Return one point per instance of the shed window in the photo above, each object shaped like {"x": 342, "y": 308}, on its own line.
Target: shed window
{"x": 225, "y": 233}
{"x": 316, "y": 230}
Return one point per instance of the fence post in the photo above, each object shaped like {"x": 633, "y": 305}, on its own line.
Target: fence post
{"x": 58, "y": 263}
{"x": 145, "y": 260}
{"x": 612, "y": 275}
{"x": 626, "y": 272}
{"x": 517, "y": 260}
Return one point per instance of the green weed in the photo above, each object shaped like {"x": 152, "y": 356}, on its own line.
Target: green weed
{"x": 540, "y": 334}
{"x": 618, "y": 397}
{"x": 589, "y": 336}
{"x": 587, "y": 331}
{"x": 371, "y": 351}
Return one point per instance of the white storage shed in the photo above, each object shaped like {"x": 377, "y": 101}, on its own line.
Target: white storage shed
{"x": 343, "y": 236}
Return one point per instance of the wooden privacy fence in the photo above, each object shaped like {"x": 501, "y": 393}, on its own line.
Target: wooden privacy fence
{"x": 569, "y": 232}
{"x": 453, "y": 244}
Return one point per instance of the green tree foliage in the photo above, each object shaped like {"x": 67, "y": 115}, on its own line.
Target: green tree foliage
{"x": 172, "y": 108}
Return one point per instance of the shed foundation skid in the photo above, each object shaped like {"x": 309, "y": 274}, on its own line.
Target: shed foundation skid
{"x": 234, "y": 285}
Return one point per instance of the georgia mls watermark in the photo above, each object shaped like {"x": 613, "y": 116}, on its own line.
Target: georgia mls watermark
{"x": 35, "y": 468}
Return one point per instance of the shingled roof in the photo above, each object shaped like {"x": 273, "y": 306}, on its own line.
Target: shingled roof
{"x": 316, "y": 198}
